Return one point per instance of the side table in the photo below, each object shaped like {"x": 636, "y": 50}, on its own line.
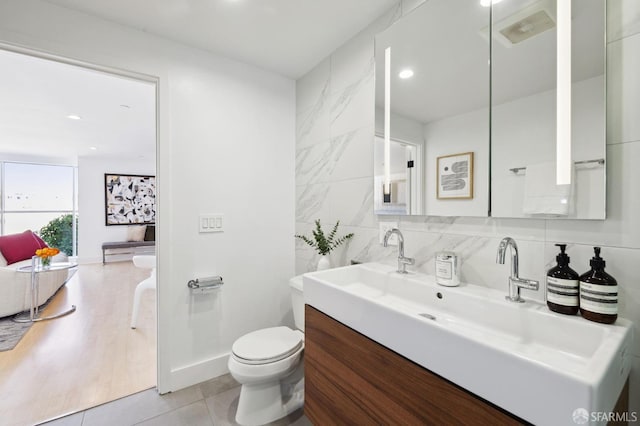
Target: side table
{"x": 35, "y": 270}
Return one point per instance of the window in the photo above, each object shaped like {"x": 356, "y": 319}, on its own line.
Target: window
{"x": 35, "y": 194}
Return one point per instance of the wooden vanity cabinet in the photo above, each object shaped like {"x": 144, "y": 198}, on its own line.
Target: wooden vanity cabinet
{"x": 350, "y": 379}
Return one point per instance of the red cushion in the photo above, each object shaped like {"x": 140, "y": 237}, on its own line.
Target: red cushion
{"x": 40, "y": 240}
{"x": 17, "y": 247}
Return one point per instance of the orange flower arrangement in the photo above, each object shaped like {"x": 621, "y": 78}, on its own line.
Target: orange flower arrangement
{"x": 47, "y": 252}
{"x": 45, "y": 255}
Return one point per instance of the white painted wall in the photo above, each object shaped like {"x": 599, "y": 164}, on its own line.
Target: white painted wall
{"x": 92, "y": 231}
{"x": 468, "y": 132}
{"x": 524, "y": 133}
{"x": 226, "y": 145}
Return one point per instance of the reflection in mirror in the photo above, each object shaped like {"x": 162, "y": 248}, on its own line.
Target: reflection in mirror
{"x": 405, "y": 191}
{"x": 523, "y": 140}
{"x": 439, "y": 106}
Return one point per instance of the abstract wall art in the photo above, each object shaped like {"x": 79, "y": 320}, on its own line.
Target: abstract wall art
{"x": 455, "y": 176}
{"x": 129, "y": 199}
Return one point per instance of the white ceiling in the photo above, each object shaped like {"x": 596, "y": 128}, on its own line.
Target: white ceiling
{"x": 286, "y": 36}
{"x": 117, "y": 114}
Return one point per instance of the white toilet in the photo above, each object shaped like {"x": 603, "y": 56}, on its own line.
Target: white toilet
{"x": 268, "y": 364}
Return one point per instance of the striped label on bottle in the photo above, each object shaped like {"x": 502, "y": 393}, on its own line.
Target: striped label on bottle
{"x": 600, "y": 299}
{"x": 562, "y": 292}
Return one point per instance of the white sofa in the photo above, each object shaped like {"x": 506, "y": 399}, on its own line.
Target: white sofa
{"x": 15, "y": 286}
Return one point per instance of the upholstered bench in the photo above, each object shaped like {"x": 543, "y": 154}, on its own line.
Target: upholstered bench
{"x": 129, "y": 247}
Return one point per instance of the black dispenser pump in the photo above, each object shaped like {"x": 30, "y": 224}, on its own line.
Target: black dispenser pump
{"x": 562, "y": 285}
{"x": 597, "y": 263}
{"x": 562, "y": 258}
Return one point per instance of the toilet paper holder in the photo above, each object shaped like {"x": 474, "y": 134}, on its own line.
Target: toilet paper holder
{"x": 206, "y": 284}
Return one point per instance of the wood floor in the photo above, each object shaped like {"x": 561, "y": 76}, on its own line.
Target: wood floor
{"x": 84, "y": 359}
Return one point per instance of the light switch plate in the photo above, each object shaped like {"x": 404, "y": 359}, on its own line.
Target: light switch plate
{"x": 210, "y": 223}
{"x": 384, "y": 227}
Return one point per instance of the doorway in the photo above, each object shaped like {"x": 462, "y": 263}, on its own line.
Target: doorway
{"x": 60, "y": 112}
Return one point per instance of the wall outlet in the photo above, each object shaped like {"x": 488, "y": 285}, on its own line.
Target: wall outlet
{"x": 384, "y": 227}
{"x": 210, "y": 223}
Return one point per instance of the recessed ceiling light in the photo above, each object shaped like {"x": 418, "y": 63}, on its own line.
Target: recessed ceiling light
{"x": 406, "y": 73}
{"x": 74, "y": 117}
{"x": 487, "y": 3}
{"x": 93, "y": 148}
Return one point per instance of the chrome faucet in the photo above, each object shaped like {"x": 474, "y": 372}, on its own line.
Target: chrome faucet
{"x": 515, "y": 282}
{"x": 402, "y": 261}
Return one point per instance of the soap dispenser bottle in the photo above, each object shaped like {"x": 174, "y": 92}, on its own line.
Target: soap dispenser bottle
{"x": 562, "y": 285}
{"x": 598, "y": 293}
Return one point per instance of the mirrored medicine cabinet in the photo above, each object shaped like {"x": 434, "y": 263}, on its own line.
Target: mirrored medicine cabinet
{"x": 466, "y": 103}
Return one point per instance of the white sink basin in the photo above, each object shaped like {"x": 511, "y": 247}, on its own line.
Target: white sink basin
{"x": 536, "y": 364}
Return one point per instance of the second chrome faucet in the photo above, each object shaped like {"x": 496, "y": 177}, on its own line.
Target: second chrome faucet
{"x": 402, "y": 261}
{"x": 515, "y": 282}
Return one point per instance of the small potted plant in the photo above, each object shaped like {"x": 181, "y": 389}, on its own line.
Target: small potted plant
{"x": 324, "y": 244}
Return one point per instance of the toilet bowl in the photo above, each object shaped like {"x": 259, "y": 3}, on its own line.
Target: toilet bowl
{"x": 268, "y": 364}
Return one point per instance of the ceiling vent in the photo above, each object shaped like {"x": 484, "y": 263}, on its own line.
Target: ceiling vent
{"x": 528, "y": 27}
{"x": 524, "y": 24}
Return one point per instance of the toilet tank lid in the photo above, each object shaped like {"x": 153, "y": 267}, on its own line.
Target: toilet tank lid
{"x": 296, "y": 282}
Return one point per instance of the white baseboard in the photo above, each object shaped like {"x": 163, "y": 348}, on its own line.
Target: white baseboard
{"x": 202, "y": 371}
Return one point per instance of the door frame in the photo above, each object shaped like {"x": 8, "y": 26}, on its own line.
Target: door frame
{"x": 161, "y": 379}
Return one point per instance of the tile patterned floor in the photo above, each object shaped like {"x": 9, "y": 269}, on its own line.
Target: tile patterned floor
{"x": 209, "y": 403}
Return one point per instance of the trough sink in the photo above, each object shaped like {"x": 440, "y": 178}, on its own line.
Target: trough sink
{"x": 534, "y": 363}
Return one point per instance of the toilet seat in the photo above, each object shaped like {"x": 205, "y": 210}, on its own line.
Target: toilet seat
{"x": 267, "y": 345}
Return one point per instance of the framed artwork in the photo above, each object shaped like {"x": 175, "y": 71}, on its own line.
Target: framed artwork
{"x": 455, "y": 176}
{"x": 129, "y": 199}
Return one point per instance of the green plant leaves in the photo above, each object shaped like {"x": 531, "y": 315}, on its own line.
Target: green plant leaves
{"x": 58, "y": 233}
{"x": 324, "y": 244}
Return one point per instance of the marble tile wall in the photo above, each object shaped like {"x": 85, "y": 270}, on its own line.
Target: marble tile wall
{"x": 334, "y": 175}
